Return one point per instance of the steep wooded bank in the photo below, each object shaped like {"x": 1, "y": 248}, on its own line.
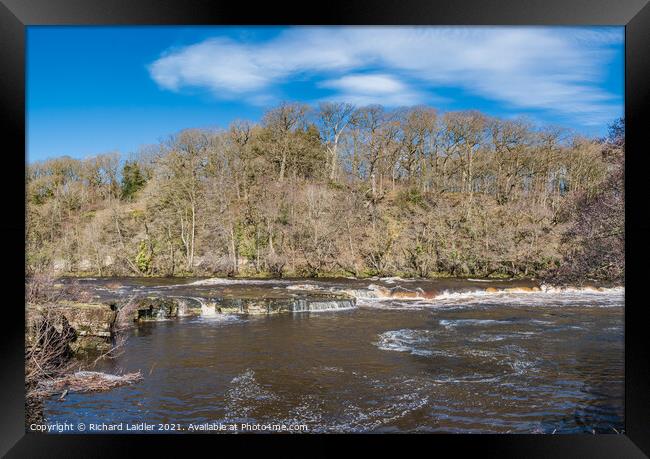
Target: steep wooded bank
{"x": 337, "y": 190}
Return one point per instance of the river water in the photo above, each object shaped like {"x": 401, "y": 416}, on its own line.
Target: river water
{"x": 412, "y": 356}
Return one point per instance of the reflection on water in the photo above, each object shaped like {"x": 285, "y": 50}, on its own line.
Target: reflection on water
{"x": 509, "y": 362}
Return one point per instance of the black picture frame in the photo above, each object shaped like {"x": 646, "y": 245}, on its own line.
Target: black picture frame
{"x": 15, "y": 15}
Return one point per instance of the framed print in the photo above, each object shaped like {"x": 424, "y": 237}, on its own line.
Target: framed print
{"x": 311, "y": 227}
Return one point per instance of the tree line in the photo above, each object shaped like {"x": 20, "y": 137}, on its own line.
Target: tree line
{"x": 327, "y": 190}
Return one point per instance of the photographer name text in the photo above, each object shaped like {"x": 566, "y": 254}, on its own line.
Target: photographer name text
{"x": 145, "y": 427}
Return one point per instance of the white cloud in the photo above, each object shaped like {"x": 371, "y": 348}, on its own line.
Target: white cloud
{"x": 558, "y": 70}
{"x": 371, "y": 84}
{"x": 367, "y": 89}
{"x": 218, "y": 64}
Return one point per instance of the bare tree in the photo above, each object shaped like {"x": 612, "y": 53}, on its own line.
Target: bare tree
{"x": 334, "y": 118}
{"x": 280, "y": 123}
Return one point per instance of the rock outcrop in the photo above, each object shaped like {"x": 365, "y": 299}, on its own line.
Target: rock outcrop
{"x": 92, "y": 324}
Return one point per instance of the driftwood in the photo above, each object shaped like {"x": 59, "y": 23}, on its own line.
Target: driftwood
{"x": 85, "y": 381}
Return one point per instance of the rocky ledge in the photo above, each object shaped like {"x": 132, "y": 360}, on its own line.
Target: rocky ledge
{"x": 94, "y": 324}
{"x": 153, "y": 308}
{"x": 91, "y": 323}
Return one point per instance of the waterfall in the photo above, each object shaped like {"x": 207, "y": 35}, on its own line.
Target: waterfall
{"x": 182, "y": 308}
{"x": 300, "y": 305}
{"x": 329, "y": 305}
{"x": 303, "y": 305}
{"x": 207, "y": 308}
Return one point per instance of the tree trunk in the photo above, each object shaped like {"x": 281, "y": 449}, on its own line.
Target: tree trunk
{"x": 192, "y": 234}
{"x": 233, "y": 249}
{"x": 283, "y": 165}
{"x": 334, "y": 152}
{"x": 171, "y": 252}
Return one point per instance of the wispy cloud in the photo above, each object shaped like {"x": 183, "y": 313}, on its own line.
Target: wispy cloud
{"x": 558, "y": 70}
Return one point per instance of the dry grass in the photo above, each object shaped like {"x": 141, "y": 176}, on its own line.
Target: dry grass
{"x": 49, "y": 352}
{"x": 42, "y": 288}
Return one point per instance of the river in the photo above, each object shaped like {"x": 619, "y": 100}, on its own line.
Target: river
{"x": 467, "y": 356}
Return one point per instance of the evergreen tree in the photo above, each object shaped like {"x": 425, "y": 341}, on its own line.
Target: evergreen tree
{"x": 132, "y": 180}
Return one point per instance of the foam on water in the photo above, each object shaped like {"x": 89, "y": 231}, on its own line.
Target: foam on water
{"x": 246, "y": 395}
{"x": 393, "y": 280}
{"x": 391, "y": 401}
{"x": 488, "y": 280}
{"x": 228, "y": 281}
{"x": 453, "y": 323}
{"x": 220, "y": 319}
{"x": 304, "y": 287}
{"x": 405, "y": 340}
{"x": 544, "y": 296}
{"x": 490, "y": 364}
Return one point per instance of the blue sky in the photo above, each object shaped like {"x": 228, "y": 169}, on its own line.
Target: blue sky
{"x": 93, "y": 90}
